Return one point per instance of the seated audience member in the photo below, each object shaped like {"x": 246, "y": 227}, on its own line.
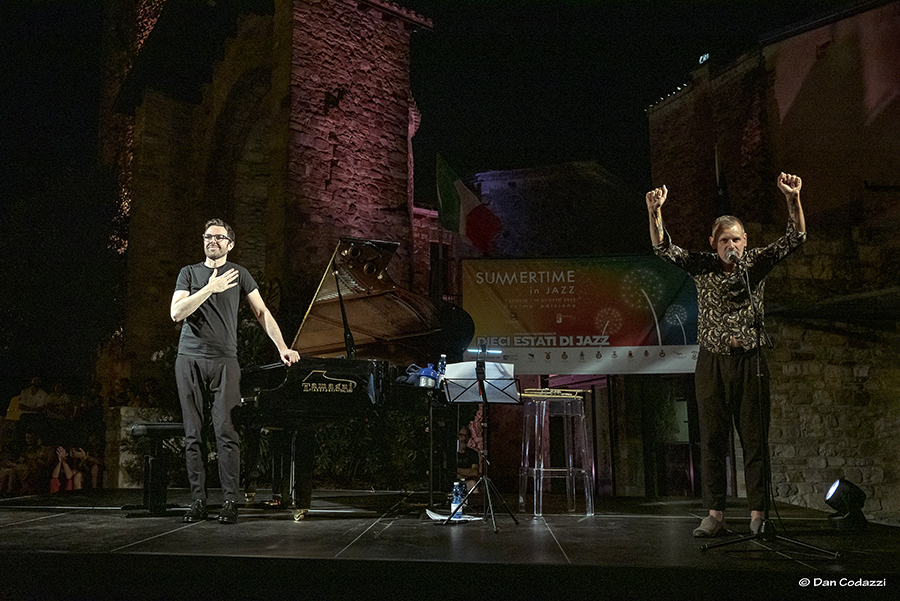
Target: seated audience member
{"x": 9, "y": 423}
{"x": 89, "y": 463}
{"x": 26, "y": 472}
{"x": 32, "y": 406}
{"x": 59, "y": 403}
{"x": 153, "y": 395}
{"x": 64, "y": 476}
{"x": 59, "y": 413}
{"x": 94, "y": 397}
{"x": 89, "y": 426}
{"x": 123, "y": 396}
{"x": 34, "y": 397}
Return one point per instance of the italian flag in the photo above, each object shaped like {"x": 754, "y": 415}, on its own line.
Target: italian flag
{"x": 460, "y": 210}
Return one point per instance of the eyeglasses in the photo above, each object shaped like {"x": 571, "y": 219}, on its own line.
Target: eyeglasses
{"x": 216, "y": 237}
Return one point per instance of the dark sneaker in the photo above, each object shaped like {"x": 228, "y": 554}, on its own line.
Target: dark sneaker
{"x": 196, "y": 512}
{"x": 711, "y": 527}
{"x": 228, "y": 513}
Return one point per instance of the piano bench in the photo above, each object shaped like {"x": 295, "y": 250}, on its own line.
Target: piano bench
{"x": 156, "y": 469}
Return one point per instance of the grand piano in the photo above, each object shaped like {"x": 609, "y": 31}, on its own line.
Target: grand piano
{"x": 358, "y": 335}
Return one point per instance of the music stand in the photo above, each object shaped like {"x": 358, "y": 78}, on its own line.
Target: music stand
{"x": 470, "y": 382}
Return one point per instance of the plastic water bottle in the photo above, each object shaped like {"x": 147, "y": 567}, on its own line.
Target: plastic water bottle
{"x": 441, "y": 369}
{"x": 456, "y": 500}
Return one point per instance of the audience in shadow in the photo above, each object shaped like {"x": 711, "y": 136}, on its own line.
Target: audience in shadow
{"x": 24, "y": 469}
{"x": 55, "y": 444}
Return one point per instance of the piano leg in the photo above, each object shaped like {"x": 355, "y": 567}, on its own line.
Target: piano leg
{"x": 303, "y": 448}
{"x": 280, "y": 447}
{"x": 251, "y": 462}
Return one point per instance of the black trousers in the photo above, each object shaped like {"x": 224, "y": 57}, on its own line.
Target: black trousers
{"x": 223, "y": 376}
{"x": 728, "y": 391}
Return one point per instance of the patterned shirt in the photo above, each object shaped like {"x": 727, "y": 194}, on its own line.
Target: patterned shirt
{"x": 724, "y": 309}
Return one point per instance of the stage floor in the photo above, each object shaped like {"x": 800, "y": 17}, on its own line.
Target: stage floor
{"x": 374, "y": 545}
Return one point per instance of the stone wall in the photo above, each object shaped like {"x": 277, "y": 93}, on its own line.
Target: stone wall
{"x": 835, "y": 405}
{"x": 349, "y": 128}
{"x": 160, "y": 223}
{"x": 710, "y": 138}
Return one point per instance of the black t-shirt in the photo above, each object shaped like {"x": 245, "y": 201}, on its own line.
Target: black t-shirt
{"x": 211, "y": 330}
{"x": 467, "y": 458}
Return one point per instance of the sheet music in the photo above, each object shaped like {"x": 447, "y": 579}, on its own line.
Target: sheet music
{"x": 492, "y": 371}
{"x": 500, "y": 384}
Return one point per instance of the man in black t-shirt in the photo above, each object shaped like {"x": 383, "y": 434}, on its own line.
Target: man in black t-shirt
{"x": 207, "y": 296}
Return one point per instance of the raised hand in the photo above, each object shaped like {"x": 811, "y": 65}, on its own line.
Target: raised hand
{"x": 656, "y": 198}
{"x": 789, "y": 184}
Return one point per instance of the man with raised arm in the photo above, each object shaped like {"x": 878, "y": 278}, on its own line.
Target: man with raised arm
{"x": 207, "y": 296}
{"x": 730, "y": 322}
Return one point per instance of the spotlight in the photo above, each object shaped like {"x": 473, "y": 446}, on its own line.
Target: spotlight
{"x": 847, "y": 499}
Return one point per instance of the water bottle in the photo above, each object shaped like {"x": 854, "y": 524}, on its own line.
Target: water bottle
{"x": 441, "y": 369}
{"x": 428, "y": 377}
{"x": 456, "y": 500}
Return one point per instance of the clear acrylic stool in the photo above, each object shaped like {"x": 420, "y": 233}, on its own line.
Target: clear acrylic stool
{"x": 540, "y": 405}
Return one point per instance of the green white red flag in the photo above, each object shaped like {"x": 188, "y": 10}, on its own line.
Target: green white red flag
{"x": 460, "y": 210}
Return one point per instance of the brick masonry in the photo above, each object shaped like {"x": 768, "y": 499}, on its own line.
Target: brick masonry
{"x": 348, "y": 134}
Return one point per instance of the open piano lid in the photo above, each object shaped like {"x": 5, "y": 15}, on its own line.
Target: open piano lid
{"x": 385, "y": 320}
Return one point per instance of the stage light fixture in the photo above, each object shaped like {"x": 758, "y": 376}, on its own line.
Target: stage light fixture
{"x": 847, "y": 499}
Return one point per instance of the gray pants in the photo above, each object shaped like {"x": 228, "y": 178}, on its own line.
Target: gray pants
{"x": 223, "y": 376}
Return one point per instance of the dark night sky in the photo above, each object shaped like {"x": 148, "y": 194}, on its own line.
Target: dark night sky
{"x": 524, "y": 83}
{"x": 500, "y": 84}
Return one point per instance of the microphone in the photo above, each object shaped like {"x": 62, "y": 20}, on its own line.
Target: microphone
{"x": 732, "y": 257}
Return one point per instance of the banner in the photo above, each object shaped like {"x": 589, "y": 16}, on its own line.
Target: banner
{"x": 611, "y": 315}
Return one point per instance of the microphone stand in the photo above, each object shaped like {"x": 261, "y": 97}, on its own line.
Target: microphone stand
{"x": 767, "y": 530}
